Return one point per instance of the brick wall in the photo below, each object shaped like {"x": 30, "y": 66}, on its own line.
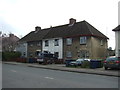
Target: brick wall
{"x": 92, "y": 48}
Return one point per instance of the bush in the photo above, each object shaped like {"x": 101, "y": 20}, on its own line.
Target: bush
{"x": 7, "y": 56}
{"x": 85, "y": 64}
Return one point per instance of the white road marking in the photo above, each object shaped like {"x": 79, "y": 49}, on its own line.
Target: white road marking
{"x": 48, "y": 78}
{"x": 13, "y": 71}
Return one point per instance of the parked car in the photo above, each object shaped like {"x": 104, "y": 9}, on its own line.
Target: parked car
{"x": 46, "y": 58}
{"x": 78, "y": 62}
{"x": 112, "y": 62}
{"x": 68, "y": 61}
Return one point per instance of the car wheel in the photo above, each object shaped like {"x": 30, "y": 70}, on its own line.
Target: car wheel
{"x": 106, "y": 68}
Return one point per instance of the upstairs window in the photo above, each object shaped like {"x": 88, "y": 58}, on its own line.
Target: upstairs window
{"x": 46, "y": 43}
{"x": 83, "y": 40}
{"x": 31, "y": 44}
{"x": 38, "y": 43}
{"x": 56, "y": 43}
{"x": 69, "y": 41}
{"x": 101, "y": 42}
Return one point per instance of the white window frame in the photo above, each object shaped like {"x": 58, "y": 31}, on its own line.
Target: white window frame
{"x": 69, "y": 41}
{"x": 46, "y": 43}
{"x": 56, "y": 42}
{"x": 119, "y": 52}
{"x": 101, "y": 42}
{"x": 58, "y": 53}
{"x": 83, "y": 40}
{"x": 38, "y": 43}
{"x": 68, "y": 54}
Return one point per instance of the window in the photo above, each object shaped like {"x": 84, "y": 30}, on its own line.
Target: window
{"x": 69, "y": 41}
{"x": 84, "y": 54}
{"x": 119, "y": 53}
{"x": 68, "y": 54}
{"x": 24, "y": 53}
{"x": 83, "y": 40}
{"x": 31, "y": 44}
{"x": 101, "y": 43}
{"x": 56, "y": 43}
{"x": 38, "y": 43}
{"x": 46, "y": 43}
{"x": 56, "y": 54}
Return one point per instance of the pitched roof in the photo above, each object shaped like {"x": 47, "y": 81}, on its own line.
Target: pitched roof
{"x": 117, "y": 28}
{"x": 82, "y": 28}
{"x": 78, "y": 29}
{"x": 34, "y": 35}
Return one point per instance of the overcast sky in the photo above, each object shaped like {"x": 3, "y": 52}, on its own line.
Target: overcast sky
{"x": 21, "y": 16}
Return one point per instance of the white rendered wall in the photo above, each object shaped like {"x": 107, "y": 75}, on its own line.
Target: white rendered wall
{"x": 52, "y": 48}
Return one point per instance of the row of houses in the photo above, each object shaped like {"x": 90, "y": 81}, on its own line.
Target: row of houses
{"x": 70, "y": 41}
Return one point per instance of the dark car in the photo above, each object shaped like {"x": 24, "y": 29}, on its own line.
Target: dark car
{"x": 46, "y": 58}
{"x": 112, "y": 62}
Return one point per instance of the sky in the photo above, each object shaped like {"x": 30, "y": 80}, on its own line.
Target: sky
{"x": 21, "y": 16}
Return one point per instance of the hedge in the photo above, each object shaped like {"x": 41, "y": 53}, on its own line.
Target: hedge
{"x": 6, "y": 56}
{"x": 85, "y": 64}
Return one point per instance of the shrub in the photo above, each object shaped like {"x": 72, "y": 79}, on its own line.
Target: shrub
{"x": 85, "y": 64}
{"x": 6, "y": 56}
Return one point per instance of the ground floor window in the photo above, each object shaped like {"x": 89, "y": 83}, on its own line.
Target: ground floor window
{"x": 56, "y": 54}
{"x": 68, "y": 54}
{"x": 83, "y": 54}
{"x": 119, "y": 52}
{"x": 31, "y": 54}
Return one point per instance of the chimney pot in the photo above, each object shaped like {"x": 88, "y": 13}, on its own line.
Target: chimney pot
{"x": 11, "y": 35}
{"x": 37, "y": 28}
{"x": 72, "y": 21}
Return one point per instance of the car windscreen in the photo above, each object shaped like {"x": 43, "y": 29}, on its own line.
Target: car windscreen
{"x": 112, "y": 59}
{"x": 79, "y": 60}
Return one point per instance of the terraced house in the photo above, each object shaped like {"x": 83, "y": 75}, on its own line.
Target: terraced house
{"x": 69, "y": 41}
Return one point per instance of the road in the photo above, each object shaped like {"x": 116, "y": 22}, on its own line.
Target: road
{"x": 19, "y": 76}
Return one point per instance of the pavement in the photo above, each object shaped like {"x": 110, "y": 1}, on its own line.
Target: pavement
{"x": 62, "y": 67}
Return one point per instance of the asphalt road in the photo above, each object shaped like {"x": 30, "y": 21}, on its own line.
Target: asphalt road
{"x": 18, "y": 76}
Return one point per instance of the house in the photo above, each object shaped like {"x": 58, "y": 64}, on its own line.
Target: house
{"x": 69, "y": 41}
{"x": 33, "y": 42}
{"x": 117, "y": 40}
{"x": 80, "y": 40}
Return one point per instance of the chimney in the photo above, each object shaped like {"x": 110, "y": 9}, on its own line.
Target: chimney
{"x": 72, "y": 21}
{"x": 37, "y": 28}
{"x": 11, "y": 35}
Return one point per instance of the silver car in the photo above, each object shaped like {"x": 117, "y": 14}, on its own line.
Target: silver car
{"x": 78, "y": 62}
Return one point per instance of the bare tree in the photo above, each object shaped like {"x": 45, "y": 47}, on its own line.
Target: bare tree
{"x": 9, "y": 42}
